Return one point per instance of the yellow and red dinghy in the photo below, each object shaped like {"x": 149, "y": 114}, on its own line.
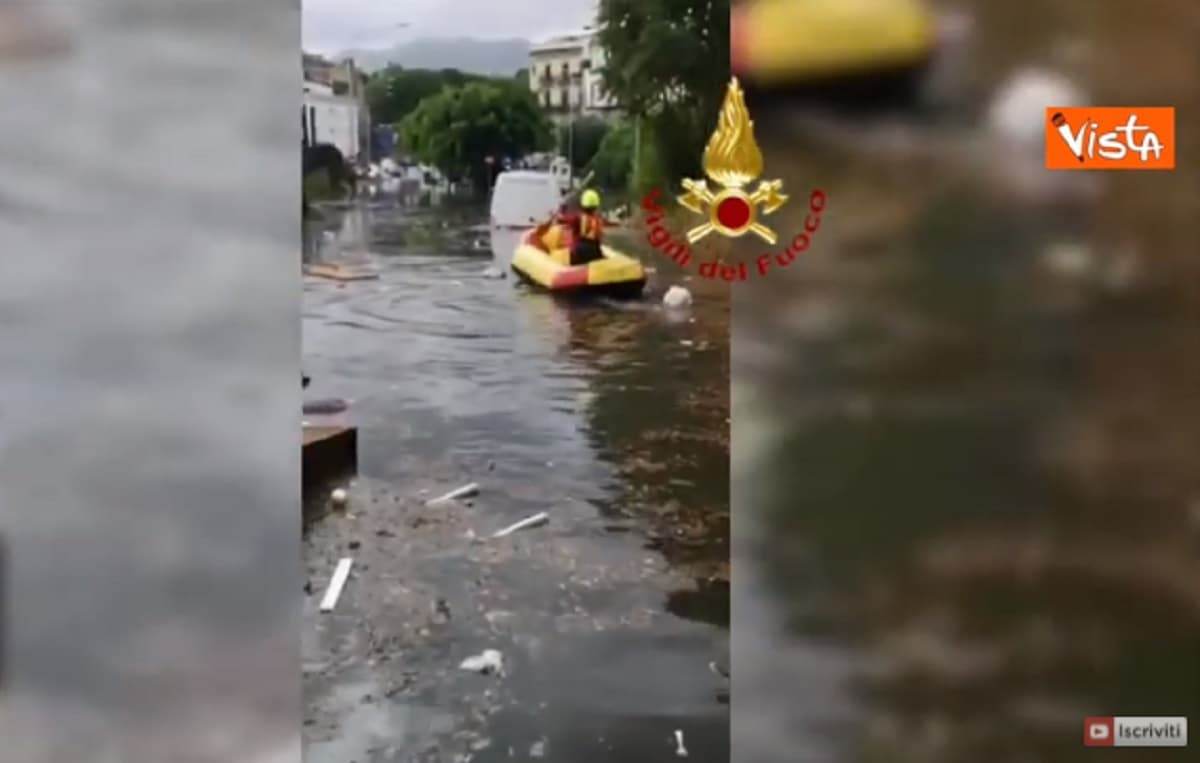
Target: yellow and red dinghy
{"x": 843, "y": 45}
{"x": 543, "y": 259}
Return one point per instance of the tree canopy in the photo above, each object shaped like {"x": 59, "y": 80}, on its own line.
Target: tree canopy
{"x": 580, "y": 140}
{"x": 668, "y": 64}
{"x": 457, "y": 129}
{"x": 393, "y": 93}
{"x": 613, "y": 159}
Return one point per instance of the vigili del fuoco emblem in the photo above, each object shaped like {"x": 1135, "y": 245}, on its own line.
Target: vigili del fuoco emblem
{"x": 732, "y": 161}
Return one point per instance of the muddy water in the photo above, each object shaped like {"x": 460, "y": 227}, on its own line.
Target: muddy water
{"x": 967, "y": 440}
{"x": 610, "y": 417}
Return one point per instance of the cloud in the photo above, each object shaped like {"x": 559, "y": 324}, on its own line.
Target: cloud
{"x": 335, "y": 25}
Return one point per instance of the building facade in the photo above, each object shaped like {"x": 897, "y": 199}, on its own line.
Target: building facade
{"x": 329, "y": 118}
{"x": 335, "y": 108}
{"x": 565, "y": 76}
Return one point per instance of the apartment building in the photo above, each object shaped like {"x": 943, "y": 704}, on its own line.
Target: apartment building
{"x": 334, "y": 107}
{"x": 329, "y": 118}
{"x": 564, "y": 74}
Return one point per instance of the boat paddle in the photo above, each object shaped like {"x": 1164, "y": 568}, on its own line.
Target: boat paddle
{"x": 565, "y": 198}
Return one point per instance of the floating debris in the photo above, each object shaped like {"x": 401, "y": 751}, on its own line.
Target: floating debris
{"x": 680, "y": 750}
{"x": 465, "y": 491}
{"x": 677, "y": 296}
{"x": 489, "y": 661}
{"x": 441, "y": 611}
{"x": 339, "y": 497}
{"x": 340, "y": 575}
{"x": 340, "y": 272}
{"x": 1069, "y": 260}
{"x": 325, "y": 406}
{"x": 1017, "y": 111}
{"x": 536, "y": 520}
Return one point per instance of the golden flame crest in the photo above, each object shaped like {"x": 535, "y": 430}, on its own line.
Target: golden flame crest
{"x": 732, "y": 160}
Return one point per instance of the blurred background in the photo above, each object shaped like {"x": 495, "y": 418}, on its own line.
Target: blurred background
{"x": 966, "y": 429}
{"x": 149, "y": 305}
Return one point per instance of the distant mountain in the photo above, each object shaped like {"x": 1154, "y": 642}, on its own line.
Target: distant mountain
{"x": 499, "y": 57}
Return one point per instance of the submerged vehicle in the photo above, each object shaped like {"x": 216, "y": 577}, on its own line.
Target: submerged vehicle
{"x": 543, "y": 257}
{"x": 522, "y": 198}
{"x": 832, "y": 47}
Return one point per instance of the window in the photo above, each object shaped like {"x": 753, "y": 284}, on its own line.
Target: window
{"x": 585, "y": 64}
{"x": 565, "y": 97}
{"x": 548, "y": 72}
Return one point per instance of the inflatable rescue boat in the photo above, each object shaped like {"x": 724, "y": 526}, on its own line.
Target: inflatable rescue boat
{"x": 832, "y": 48}
{"x": 542, "y": 258}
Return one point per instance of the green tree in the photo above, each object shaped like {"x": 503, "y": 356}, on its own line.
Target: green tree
{"x": 582, "y": 139}
{"x": 614, "y": 159}
{"x": 457, "y": 129}
{"x": 668, "y": 65}
{"x": 394, "y": 92}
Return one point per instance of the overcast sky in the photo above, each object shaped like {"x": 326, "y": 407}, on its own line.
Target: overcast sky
{"x": 331, "y": 26}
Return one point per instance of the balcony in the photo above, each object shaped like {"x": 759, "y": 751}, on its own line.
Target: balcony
{"x": 558, "y": 80}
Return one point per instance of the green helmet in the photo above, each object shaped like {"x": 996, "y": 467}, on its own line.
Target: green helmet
{"x": 590, "y": 199}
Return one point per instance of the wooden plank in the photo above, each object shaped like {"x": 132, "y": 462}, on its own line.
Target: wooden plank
{"x": 336, "y": 584}
{"x": 466, "y": 491}
{"x": 540, "y": 518}
{"x": 314, "y": 434}
{"x": 336, "y": 272}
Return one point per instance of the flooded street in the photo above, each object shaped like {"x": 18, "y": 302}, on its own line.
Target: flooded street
{"x": 966, "y": 439}
{"x": 612, "y": 418}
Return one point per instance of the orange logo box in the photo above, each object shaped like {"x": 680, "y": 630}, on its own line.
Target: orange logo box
{"x": 1110, "y": 138}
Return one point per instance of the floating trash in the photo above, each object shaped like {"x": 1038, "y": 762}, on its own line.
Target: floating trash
{"x": 489, "y": 661}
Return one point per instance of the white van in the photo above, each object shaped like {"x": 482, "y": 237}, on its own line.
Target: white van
{"x": 561, "y": 169}
{"x": 523, "y": 198}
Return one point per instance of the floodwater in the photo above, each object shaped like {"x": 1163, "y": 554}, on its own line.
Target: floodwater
{"x": 966, "y": 437}
{"x": 611, "y": 417}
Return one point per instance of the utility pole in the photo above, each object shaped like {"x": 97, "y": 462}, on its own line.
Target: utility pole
{"x": 571, "y": 152}
{"x": 637, "y": 152}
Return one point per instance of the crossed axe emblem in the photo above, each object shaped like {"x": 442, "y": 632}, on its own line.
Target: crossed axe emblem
{"x": 739, "y": 209}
